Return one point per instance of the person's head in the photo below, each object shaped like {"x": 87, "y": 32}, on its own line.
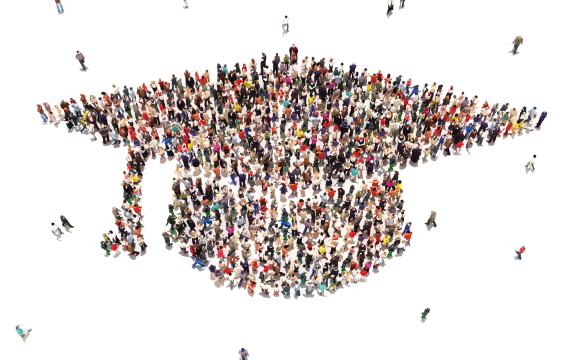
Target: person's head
{"x": 534, "y": 156}
{"x": 52, "y": 224}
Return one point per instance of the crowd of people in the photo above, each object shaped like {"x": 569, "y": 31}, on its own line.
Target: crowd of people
{"x": 287, "y": 172}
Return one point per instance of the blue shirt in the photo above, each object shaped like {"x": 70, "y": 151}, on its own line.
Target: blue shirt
{"x": 19, "y": 331}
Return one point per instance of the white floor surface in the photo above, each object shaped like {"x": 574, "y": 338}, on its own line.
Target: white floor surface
{"x": 484, "y": 303}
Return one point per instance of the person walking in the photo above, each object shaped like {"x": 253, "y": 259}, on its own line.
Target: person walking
{"x": 531, "y": 163}
{"x": 59, "y": 6}
{"x": 244, "y": 354}
{"x": 130, "y": 249}
{"x": 542, "y": 118}
{"x": 81, "y": 58}
{"x": 285, "y": 25}
{"x": 105, "y": 246}
{"x": 185, "y": 7}
{"x": 22, "y": 333}
{"x": 517, "y": 42}
{"x": 432, "y": 219}
{"x": 56, "y": 230}
{"x": 65, "y": 222}
{"x": 425, "y": 313}
{"x": 519, "y": 253}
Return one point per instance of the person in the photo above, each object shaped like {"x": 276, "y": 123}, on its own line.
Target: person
{"x": 425, "y": 312}
{"x": 402, "y": 4}
{"x": 56, "y": 230}
{"x": 517, "y": 42}
{"x": 285, "y": 25}
{"x": 390, "y": 8}
{"x": 431, "y": 219}
{"x": 59, "y": 6}
{"x": 542, "y": 118}
{"x": 65, "y": 222}
{"x": 531, "y": 163}
{"x": 519, "y": 253}
{"x": 185, "y": 7}
{"x": 244, "y": 354}
{"x": 130, "y": 249}
{"x": 21, "y": 332}
{"x": 167, "y": 239}
{"x": 81, "y": 58}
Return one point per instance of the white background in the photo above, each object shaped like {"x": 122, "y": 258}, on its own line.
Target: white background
{"x": 484, "y": 303}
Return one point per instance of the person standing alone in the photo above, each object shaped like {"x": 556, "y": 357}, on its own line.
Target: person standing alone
{"x": 22, "y": 333}
{"x": 81, "y": 58}
{"x": 531, "y": 163}
{"x": 59, "y": 6}
{"x": 519, "y": 253}
{"x": 432, "y": 219}
{"x": 285, "y": 25}
{"x": 517, "y": 42}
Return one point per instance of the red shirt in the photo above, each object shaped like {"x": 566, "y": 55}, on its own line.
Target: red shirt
{"x": 522, "y": 249}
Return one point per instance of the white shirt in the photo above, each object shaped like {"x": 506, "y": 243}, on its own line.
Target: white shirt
{"x": 285, "y": 21}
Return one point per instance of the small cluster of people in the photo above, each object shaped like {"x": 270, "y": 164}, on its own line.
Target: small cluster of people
{"x": 255, "y": 145}
{"x": 56, "y": 231}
